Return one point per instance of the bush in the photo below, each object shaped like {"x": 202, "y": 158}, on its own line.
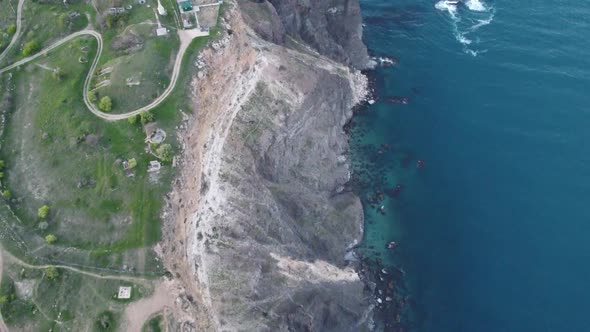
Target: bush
{"x": 50, "y": 239}
{"x": 132, "y": 163}
{"x": 105, "y": 104}
{"x": 164, "y": 152}
{"x": 2, "y": 164}
{"x": 11, "y": 29}
{"x": 6, "y": 193}
{"x": 147, "y": 117}
{"x": 92, "y": 96}
{"x": 43, "y": 212}
{"x": 1, "y": 175}
{"x": 30, "y": 47}
{"x": 43, "y": 225}
{"x": 51, "y": 272}
{"x": 63, "y": 20}
{"x": 105, "y": 322}
{"x": 132, "y": 120}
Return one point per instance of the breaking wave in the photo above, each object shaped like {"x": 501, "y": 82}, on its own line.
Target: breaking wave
{"x": 467, "y": 22}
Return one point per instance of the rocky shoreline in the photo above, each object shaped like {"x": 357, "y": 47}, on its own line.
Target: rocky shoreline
{"x": 259, "y": 228}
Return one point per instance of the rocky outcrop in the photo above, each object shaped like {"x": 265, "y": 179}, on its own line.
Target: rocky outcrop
{"x": 262, "y": 220}
{"x": 331, "y": 27}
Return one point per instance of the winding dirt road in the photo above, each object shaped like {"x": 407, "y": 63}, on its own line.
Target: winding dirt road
{"x": 19, "y": 12}
{"x": 186, "y": 37}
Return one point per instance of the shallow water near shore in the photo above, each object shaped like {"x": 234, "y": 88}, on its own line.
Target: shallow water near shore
{"x": 493, "y": 230}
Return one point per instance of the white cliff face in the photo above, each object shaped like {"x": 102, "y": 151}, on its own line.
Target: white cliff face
{"x": 262, "y": 217}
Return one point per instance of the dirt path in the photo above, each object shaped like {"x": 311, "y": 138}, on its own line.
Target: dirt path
{"x": 186, "y": 37}
{"x": 138, "y": 312}
{"x": 19, "y": 11}
{"x": 15, "y": 260}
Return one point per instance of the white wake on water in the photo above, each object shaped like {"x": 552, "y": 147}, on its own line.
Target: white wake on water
{"x": 463, "y": 26}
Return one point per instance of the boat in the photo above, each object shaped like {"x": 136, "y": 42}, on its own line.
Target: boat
{"x": 453, "y": 2}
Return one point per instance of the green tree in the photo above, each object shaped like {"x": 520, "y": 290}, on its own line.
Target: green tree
{"x": 50, "y": 239}
{"x": 51, "y": 272}
{"x": 2, "y": 164}
{"x": 30, "y": 47}
{"x": 1, "y": 175}
{"x": 43, "y": 212}
{"x": 11, "y": 29}
{"x": 63, "y": 20}
{"x": 43, "y": 225}
{"x": 3, "y": 299}
{"x": 92, "y": 96}
{"x": 146, "y": 117}
{"x": 165, "y": 152}
{"x": 105, "y": 104}
{"x": 132, "y": 119}
{"x": 6, "y": 193}
{"x": 132, "y": 163}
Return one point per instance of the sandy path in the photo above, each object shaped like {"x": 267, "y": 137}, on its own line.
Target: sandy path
{"x": 73, "y": 269}
{"x": 138, "y": 312}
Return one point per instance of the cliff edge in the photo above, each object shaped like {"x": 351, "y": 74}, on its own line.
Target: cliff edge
{"x": 262, "y": 225}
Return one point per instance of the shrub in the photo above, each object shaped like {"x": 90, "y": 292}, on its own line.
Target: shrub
{"x": 146, "y": 117}
{"x": 105, "y": 322}
{"x": 50, "y": 239}
{"x": 43, "y": 225}
{"x": 164, "y": 152}
{"x": 51, "y": 272}
{"x": 30, "y": 47}
{"x": 6, "y": 193}
{"x": 105, "y": 104}
{"x": 132, "y": 163}
{"x": 43, "y": 212}
{"x": 63, "y": 20}
{"x": 11, "y": 29}
{"x": 92, "y": 96}
{"x": 132, "y": 120}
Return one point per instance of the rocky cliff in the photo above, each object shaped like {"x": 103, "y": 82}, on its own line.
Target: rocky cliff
{"x": 262, "y": 224}
{"x": 331, "y": 27}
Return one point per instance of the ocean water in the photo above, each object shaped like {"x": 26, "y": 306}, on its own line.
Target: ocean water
{"x": 494, "y": 230}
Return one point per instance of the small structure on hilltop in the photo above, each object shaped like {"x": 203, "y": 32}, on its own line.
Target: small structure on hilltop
{"x": 154, "y": 134}
{"x": 161, "y": 32}
{"x": 154, "y": 166}
{"x": 116, "y": 10}
{"x": 124, "y": 293}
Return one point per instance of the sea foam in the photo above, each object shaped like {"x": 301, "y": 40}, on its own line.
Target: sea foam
{"x": 462, "y": 27}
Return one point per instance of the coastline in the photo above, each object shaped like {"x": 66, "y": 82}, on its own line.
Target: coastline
{"x": 206, "y": 187}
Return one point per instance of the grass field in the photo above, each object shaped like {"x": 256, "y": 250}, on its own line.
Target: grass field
{"x": 56, "y": 153}
{"x": 44, "y": 23}
{"x": 31, "y": 300}
{"x": 141, "y": 76}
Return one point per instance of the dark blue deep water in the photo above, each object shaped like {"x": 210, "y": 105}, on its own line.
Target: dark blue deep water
{"x": 494, "y": 231}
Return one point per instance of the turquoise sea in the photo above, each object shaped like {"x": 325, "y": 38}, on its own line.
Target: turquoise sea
{"x": 493, "y": 231}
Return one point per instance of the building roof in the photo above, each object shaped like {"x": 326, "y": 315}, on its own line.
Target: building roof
{"x": 124, "y": 292}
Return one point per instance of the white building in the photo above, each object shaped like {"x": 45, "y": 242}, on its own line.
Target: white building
{"x": 124, "y": 293}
